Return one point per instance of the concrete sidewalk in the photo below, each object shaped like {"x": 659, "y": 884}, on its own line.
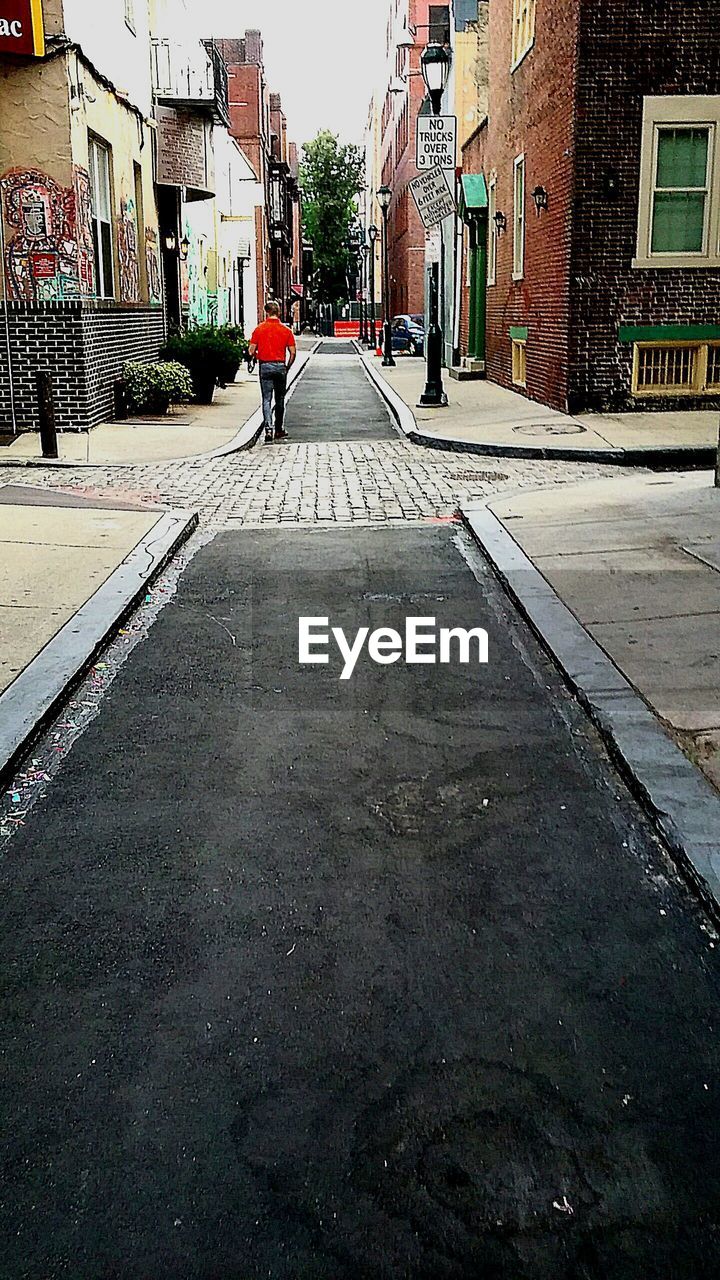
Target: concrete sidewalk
{"x": 638, "y": 563}
{"x": 186, "y": 431}
{"x": 485, "y": 418}
{"x": 69, "y": 568}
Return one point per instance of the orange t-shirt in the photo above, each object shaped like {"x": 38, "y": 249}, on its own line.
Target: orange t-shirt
{"x": 272, "y": 340}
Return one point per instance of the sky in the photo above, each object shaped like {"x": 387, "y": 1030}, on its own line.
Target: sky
{"x": 324, "y": 57}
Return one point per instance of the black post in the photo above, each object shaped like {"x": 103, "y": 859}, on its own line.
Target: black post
{"x": 388, "y": 360}
{"x": 241, "y": 293}
{"x": 372, "y": 336}
{"x": 434, "y": 394}
{"x": 46, "y": 414}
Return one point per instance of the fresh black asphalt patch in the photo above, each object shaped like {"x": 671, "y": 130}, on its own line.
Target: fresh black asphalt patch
{"x": 328, "y": 408}
{"x": 349, "y": 980}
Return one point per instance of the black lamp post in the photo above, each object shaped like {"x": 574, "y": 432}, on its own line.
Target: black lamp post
{"x": 365, "y": 251}
{"x": 384, "y": 196}
{"x": 373, "y": 234}
{"x": 361, "y": 293}
{"x": 435, "y": 62}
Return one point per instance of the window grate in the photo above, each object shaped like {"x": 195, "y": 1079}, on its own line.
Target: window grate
{"x": 667, "y": 368}
{"x": 713, "y": 367}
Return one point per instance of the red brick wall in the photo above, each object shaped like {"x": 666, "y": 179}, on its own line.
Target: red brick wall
{"x": 630, "y": 49}
{"x": 406, "y": 232}
{"x": 531, "y": 112}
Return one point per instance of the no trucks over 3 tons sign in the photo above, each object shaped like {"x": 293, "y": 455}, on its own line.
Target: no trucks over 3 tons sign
{"x": 21, "y": 28}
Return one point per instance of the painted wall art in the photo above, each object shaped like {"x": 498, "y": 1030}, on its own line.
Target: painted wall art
{"x": 49, "y": 249}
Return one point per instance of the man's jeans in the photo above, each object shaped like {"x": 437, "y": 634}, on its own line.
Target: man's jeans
{"x": 273, "y": 381}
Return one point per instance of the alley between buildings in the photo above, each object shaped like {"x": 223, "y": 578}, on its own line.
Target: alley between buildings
{"x": 311, "y": 978}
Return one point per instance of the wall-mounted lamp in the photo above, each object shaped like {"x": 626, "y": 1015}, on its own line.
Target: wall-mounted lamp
{"x": 500, "y": 222}
{"x": 540, "y": 196}
{"x": 184, "y": 248}
{"x": 170, "y": 241}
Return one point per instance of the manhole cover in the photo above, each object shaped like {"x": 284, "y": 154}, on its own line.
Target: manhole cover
{"x": 550, "y": 429}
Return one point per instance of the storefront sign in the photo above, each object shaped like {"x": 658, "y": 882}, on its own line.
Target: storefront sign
{"x": 21, "y": 28}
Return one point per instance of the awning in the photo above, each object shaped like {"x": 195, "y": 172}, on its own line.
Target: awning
{"x": 473, "y": 195}
{"x": 298, "y": 290}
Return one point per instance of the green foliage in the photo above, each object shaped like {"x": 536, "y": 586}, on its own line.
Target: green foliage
{"x": 211, "y": 354}
{"x": 152, "y": 388}
{"x": 331, "y": 177}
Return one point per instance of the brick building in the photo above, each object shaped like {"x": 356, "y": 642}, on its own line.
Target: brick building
{"x": 403, "y": 101}
{"x": 258, "y": 123}
{"x": 80, "y": 279}
{"x": 600, "y": 158}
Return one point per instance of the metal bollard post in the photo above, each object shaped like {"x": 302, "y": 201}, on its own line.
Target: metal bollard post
{"x": 46, "y": 413}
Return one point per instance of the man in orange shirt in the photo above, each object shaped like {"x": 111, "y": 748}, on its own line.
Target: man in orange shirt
{"x": 271, "y": 342}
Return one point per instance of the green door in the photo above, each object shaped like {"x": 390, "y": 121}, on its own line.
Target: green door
{"x": 478, "y": 285}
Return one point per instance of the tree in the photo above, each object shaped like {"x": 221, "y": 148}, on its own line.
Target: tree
{"x": 331, "y": 176}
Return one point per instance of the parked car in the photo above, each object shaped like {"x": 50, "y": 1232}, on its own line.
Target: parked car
{"x": 408, "y": 334}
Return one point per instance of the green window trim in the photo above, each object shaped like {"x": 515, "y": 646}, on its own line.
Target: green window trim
{"x": 667, "y": 332}
{"x": 518, "y": 332}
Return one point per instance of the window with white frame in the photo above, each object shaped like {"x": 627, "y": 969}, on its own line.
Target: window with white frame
{"x": 523, "y": 30}
{"x": 492, "y": 232}
{"x": 519, "y": 218}
{"x": 679, "y": 202}
{"x": 101, "y": 206}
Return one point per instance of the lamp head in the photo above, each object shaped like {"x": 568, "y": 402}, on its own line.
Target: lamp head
{"x": 384, "y": 196}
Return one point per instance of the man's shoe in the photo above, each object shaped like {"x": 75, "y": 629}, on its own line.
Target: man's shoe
{"x": 280, "y": 433}
{"x": 269, "y": 437}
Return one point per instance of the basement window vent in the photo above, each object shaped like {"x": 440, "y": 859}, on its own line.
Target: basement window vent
{"x": 676, "y": 368}
{"x": 519, "y": 363}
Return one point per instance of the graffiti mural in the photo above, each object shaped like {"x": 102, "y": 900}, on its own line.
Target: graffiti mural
{"x": 49, "y": 254}
{"x": 128, "y": 263}
{"x": 152, "y": 259}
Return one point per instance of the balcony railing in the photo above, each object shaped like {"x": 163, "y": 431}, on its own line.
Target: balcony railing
{"x": 190, "y": 74}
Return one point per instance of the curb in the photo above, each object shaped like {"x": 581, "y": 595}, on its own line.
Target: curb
{"x": 677, "y": 458}
{"x": 682, "y": 804}
{"x": 34, "y": 696}
{"x": 245, "y": 438}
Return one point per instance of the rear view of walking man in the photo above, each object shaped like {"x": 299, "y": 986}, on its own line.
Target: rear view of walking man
{"x": 271, "y": 342}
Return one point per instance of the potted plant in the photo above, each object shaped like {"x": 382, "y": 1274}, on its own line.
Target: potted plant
{"x": 212, "y": 356}
{"x": 152, "y": 388}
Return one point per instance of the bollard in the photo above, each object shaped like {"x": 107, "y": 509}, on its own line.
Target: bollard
{"x": 46, "y": 412}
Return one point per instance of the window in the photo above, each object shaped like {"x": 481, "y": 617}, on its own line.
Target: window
{"x": 523, "y": 30}
{"x": 439, "y": 24}
{"x": 680, "y": 195}
{"x": 130, "y": 14}
{"x": 676, "y": 369}
{"x": 679, "y": 203}
{"x": 101, "y": 205}
{"x": 492, "y": 232}
{"x": 519, "y": 218}
{"x": 519, "y": 367}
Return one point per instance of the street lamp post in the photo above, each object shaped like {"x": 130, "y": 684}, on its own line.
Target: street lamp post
{"x": 435, "y": 63}
{"x": 384, "y": 196}
{"x": 364, "y": 336}
{"x": 361, "y": 293}
{"x": 373, "y": 234}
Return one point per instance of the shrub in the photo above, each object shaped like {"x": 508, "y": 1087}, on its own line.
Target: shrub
{"x": 212, "y": 355}
{"x": 152, "y": 388}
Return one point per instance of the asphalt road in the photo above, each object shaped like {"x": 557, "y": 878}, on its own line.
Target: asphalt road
{"x": 346, "y": 980}
{"x": 335, "y": 401}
